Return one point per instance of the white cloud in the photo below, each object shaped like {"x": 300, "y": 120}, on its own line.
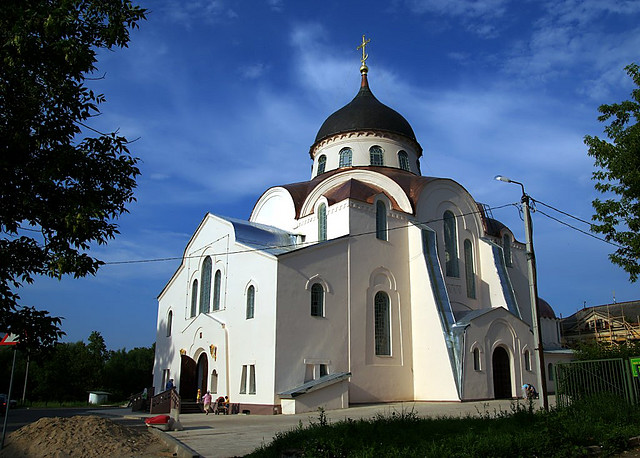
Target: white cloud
{"x": 253, "y": 71}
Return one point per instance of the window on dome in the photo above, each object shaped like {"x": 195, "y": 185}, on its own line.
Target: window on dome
{"x": 251, "y": 297}
{"x": 403, "y": 160}
{"x": 216, "y": 290}
{"x": 322, "y": 163}
{"x": 317, "y": 300}
{"x": 376, "y": 155}
{"x": 382, "y": 324}
{"x": 322, "y": 223}
{"x": 468, "y": 269}
{"x": 451, "y": 245}
{"x": 381, "y": 220}
{"x": 506, "y": 248}
{"x": 345, "y": 157}
{"x": 194, "y": 298}
{"x": 205, "y": 286}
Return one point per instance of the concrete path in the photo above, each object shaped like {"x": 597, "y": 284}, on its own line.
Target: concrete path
{"x": 237, "y": 435}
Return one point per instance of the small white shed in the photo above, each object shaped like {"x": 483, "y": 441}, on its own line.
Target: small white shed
{"x": 98, "y": 397}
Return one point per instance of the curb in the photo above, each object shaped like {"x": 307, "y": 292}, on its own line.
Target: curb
{"x": 180, "y": 449}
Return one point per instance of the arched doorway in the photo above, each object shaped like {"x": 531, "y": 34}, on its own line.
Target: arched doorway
{"x": 187, "y": 378}
{"x": 501, "y": 374}
{"x": 202, "y": 372}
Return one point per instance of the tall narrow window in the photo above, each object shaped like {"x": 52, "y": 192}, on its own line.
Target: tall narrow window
{"x": 251, "y": 296}
{"x": 252, "y": 379}
{"x": 468, "y": 269}
{"x": 450, "y": 245}
{"x": 527, "y": 360}
{"x": 169, "y": 322}
{"x": 243, "y": 380}
{"x": 317, "y": 300}
{"x": 476, "y": 359}
{"x": 381, "y": 220}
{"x": 322, "y": 223}
{"x": 506, "y": 248}
{"x": 216, "y": 290}
{"x": 345, "y": 157}
{"x": 322, "y": 163}
{"x": 214, "y": 382}
{"x": 382, "y": 324}
{"x": 550, "y": 371}
{"x": 194, "y": 298}
{"x": 205, "y": 286}
{"x": 376, "y": 156}
{"x": 403, "y": 160}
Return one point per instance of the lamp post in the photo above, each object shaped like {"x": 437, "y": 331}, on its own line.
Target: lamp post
{"x": 533, "y": 293}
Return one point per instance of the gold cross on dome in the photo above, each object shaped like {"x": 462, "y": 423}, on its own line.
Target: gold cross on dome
{"x": 362, "y": 46}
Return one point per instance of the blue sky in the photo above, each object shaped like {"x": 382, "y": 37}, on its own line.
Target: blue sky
{"x": 226, "y": 98}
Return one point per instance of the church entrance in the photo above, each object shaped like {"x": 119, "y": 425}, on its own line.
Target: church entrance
{"x": 188, "y": 386}
{"x": 202, "y": 371}
{"x": 501, "y": 374}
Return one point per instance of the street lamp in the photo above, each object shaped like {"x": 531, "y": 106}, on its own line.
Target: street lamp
{"x": 533, "y": 293}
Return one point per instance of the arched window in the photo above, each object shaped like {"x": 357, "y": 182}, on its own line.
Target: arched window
{"x": 345, "y": 157}
{"x": 381, "y": 220}
{"x": 376, "y": 155}
{"x": 317, "y": 300}
{"x": 322, "y": 163}
{"x": 450, "y": 245}
{"x": 382, "y": 324}
{"x": 468, "y": 269}
{"x": 194, "y": 298}
{"x": 322, "y": 223}
{"x": 476, "y": 359}
{"x": 169, "y": 322}
{"x": 527, "y": 360}
{"x": 205, "y": 286}
{"x": 216, "y": 290}
{"x": 251, "y": 297}
{"x": 403, "y": 160}
{"x": 506, "y": 248}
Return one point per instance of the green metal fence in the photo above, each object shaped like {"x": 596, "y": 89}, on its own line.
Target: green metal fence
{"x": 580, "y": 379}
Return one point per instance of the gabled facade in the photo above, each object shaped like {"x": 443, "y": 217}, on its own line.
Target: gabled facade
{"x": 367, "y": 283}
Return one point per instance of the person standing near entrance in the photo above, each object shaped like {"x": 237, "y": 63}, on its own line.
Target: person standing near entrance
{"x": 170, "y": 384}
{"x": 206, "y": 399}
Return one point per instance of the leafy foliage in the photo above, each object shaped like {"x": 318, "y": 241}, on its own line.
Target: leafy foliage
{"x": 590, "y": 350}
{"x": 618, "y": 174}
{"x": 60, "y": 188}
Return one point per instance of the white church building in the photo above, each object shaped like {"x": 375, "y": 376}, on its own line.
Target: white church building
{"x": 367, "y": 283}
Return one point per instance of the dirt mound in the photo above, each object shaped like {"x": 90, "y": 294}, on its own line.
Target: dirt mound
{"x": 81, "y": 436}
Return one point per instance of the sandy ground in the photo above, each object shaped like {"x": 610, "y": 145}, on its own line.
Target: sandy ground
{"x": 82, "y": 436}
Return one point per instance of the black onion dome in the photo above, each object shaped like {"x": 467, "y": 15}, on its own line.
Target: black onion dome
{"x": 365, "y": 112}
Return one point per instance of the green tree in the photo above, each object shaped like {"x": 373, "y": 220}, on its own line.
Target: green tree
{"x": 618, "y": 177}
{"x": 62, "y": 183}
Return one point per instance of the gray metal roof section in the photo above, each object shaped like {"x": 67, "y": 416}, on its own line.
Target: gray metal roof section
{"x": 315, "y": 384}
{"x": 262, "y": 237}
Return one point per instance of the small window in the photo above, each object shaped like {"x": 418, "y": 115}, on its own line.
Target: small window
{"x": 345, "y": 157}
{"x": 381, "y": 220}
{"x": 216, "y": 290}
{"x": 322, "y": 223}
{"x": 251, "y": 296}
{"x": 451, "y": 245}
{"x": 323, "y": 370}
{"x": 322, "y": 163}
{"x": 252, "y": 379}
{"x": 205, "y": 287}
{"x": 403, "y": 160}
{"x": 317, "y": 300}
{"x": 550, "y": 372}
{"x": 476, "y": 359}
{"x": 527, "y": 360}
{"x": 382, "y": 325}
{"x": 376, "y": 155}
{"x": 194, "y": 298}
{"x": 214, "y": 382}
{"x": 506, "y": 248}
{"x": 243, "y": 380}
{"x": 169, "y": 323}
{"x": 468, "y": 269}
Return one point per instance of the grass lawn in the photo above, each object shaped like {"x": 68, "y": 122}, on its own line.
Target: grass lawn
{"x": 604, "y": 421}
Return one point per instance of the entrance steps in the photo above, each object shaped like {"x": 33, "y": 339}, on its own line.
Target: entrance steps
{"x": 190, "y": 407}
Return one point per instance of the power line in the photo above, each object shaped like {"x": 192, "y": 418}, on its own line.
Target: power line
{"x": 579, "y": 230}
{"x": 299, "y": 245}
{"x": 560, "y": 211}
